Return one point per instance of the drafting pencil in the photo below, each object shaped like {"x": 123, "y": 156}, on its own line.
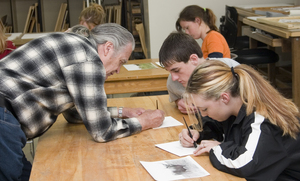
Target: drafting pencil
{"x": 195, "y": 145}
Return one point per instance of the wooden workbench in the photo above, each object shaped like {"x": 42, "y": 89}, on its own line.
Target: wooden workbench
{"x": 67, "y": 151}
{"x": 290, "y": 38}
{"x": 148, "y": 80}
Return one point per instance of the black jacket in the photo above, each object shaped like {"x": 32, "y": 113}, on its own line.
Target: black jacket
{"x": 253, "y": 148}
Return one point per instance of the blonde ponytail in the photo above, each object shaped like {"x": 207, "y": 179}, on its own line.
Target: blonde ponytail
{"x": 214, "y": 77}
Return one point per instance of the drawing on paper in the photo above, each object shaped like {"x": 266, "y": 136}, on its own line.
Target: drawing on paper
{"x": 182, "y": 168}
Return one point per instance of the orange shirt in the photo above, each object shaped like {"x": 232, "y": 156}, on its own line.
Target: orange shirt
{"x": 215, "y": 42}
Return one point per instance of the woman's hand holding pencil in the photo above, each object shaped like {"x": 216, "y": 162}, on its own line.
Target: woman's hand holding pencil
{"x": 186, "y": 140}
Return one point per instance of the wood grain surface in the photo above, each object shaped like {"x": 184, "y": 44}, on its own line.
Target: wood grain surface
{"x": 68, "y": 152}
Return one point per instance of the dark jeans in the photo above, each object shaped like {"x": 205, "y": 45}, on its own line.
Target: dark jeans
{"x": 13, "y": 163}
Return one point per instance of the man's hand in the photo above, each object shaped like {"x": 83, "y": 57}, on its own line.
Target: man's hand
{"x": 181, "y": 106}
{"x": 151, "y": 118}
{"x": 132, "y": 112}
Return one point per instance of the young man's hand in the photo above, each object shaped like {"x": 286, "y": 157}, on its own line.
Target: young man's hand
{"x": 181, "y": 106}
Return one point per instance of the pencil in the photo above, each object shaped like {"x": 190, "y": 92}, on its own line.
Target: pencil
{"x": 195, "y": 145}
{"x": 156, "y": 104}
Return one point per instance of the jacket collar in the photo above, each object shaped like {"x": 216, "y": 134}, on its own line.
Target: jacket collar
{"x": 241, "y": 115}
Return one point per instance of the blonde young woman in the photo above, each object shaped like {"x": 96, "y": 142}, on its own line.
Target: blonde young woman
{"x": 200, "y": 22}
{"x": 6, "y": 46}
{"x": 92, "y": 16}
{"x": 261, "y": 128}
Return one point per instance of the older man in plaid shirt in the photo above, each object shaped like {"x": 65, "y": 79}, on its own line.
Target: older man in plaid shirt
{"x": 64, "y": 73}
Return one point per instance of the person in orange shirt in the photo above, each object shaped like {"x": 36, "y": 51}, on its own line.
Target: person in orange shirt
{"x": 6, "y": 46}
{"x": 200, "y": 23}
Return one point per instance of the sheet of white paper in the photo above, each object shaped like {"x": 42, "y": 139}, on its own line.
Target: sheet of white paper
{"x": 289, "y": 21}
{"x": 141, "y": 66}
{"x": 182, "y": 168}
{"x": 13, "y": 36}
{"x": 295, "y": 12}
{"x": 254, "y": 18}
{"x": 176, "y": 148}
{"x": 33, "y": 35}
{"x": 169, "y": 121}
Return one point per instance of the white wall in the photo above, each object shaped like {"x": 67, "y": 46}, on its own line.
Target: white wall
{"x": 164, "y": 13}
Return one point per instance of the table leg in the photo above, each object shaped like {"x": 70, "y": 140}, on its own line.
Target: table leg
{"x": 239, "y": 27}
{"x": 295, "y": 70}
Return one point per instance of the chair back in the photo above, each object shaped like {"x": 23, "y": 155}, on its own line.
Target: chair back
{"x": 232, "y": 13}
{"x": 228, "y": 27}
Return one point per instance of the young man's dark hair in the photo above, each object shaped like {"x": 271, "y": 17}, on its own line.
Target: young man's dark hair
{"x": 178, "y": 47}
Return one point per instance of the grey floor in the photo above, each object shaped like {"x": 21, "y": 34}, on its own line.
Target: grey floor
{"x": 29, "y": 149}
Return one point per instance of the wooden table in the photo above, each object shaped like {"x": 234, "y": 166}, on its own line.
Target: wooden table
{"x": 290, "y": 39}
{"x": 67, "y": 151}
{"x": 148, "y": 80}
{"x": 246, "y": 11}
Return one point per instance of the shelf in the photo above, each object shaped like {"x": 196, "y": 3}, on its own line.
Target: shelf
{"x": 134, "y": 14}
{"x": 17, "y": 11}
{"x": 273, "y": 42}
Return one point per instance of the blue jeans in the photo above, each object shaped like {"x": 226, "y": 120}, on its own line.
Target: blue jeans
{"x": 13, "y": 163}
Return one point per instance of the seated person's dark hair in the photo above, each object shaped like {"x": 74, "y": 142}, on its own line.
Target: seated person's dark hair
{"x": 178, "y": 47}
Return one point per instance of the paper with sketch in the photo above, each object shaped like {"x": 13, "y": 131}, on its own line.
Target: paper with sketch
{"x": 169, "y": 122}
{"x": 176, "y": 148}
{"x": 157, "y": 63}
{"x": 141, "y": 66}
{"x": 176, "y": 169}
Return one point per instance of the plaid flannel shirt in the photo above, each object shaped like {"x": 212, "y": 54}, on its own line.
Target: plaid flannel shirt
{"x": 60, "y": 73}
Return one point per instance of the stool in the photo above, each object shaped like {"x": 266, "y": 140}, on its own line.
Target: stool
{"x": 259, "y": 56}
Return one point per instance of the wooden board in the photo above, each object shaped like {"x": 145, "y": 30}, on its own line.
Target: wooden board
{"x": 113, "y": 14}
{"x": 290, "y": 22}
{"x": 286, "y": 10}
{"x": 64, "y": 25}
{"x": 109, "y": 14}
{"x": 61, "y": 16}
{"x": 141, "y": 32}
{"x": 2, "y": 26}
{"x": 28, "y": 20}
{"x": 32, "y": 20}
{"x": 83, "y": 5}
{"x": 273, "y": 42}
{"x": 36, "y": 15}
{"x": 3, "y": 20}
{"x": 118, "y": 14}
